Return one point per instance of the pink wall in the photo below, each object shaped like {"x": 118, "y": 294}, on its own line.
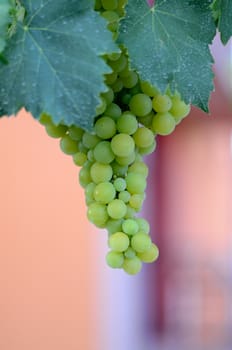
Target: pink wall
{"x": 48, "y": 274}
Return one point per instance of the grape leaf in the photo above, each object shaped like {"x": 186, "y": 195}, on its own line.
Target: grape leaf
{"x": 54, "y": 62}
{"x": 4, "y": 20}
{"x": 168, "y": 45}
{"x": 224, "y": 10}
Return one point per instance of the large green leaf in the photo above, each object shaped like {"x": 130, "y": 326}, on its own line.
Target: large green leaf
{"x": 223, "y": 9}
{"x": 168, "y": 44}
{"x": 54, "y": 62}
{"x": 4, "y": 20}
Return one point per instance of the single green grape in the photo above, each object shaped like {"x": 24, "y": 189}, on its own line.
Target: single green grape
{"x": 119, "y": 242}
{"x": 130, "y": 226}
{"x": 140, "y": 105}
{"x": 124, "y": 196}
{"x": 141, "y": 242}
{"x": 114, "y": 259}
{"x": 104, "y": 192}
{"x": 68, "y": 145}
{"x": 136, "y": 201}
{"x": 103, "y": 152}
{"x": 132, "y": 266}
{"x": 75, "y": 133}
{"x": 101, "y": 172}
{"x": 139, "y": 167}
{"x": 116, "y": 209}
{"x": 163, "y": 123}
{"x": 79, "y": 158}
{"x": 90, "y": 140}
{"x": 126, "y": 160}
{"x": 150, "y": 255}
{"x": 129, "y": 253}
{"x": 122, "y": 145}
{"x": 127, "y": 123}
{"x": 161, "y": 103}
{"x": 105, "y": 127}
{"x": 113, "y": 226}
{"x": 119, "y": 184}
{"x": 109, "y": 4}
{"x": 148, "y": 89}
{"x": 136, "y": 183}
{"x": 143, "y": 137}
{"x": 113, "y": 111}
{"x": 143, "y": 225}
{"x": 97, "y": 214}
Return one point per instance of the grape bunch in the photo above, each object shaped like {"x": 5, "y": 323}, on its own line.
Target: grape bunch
{"x": 113, "y": 174}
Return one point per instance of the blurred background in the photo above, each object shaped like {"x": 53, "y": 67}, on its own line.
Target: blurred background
{"x": 56, "y": 291}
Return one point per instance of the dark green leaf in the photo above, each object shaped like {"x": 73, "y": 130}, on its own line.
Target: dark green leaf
{"x": 4, "y": 20}
{"x": 168, "y": 45}
{"x": 54, "y": 62}
{"x": 223, "y": 8}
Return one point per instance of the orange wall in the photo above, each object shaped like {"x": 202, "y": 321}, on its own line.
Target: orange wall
{"x": 48, "y": 269}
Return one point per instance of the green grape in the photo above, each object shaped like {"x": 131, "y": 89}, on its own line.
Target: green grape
{"x": 101, "y": 106}
{"x": 114, "y": 259}
{"x": 130, "y": 80}
{"x": 119, "y": 64}
{"x": 130, "y": 226}
{"x": 141, "y": 242}
{"x": 130, "y": 212}
{"x": 129, "y": 253}
{"x": 119, "y": 184}
{"x": 113, "y": 226}
{"x": 117, "y": 85}
{"x": 179, "y": 108}
{"x": 105, "y": 127}
{"x": 163, "y": 123}
{"x": 132, "y": 266}
{"x": 109, "y": 4}
{"x": 136, "y": 183}
{"x": 90, "y": 155}
{"x": 45, "y": 119}
{"x": 140, "y": 105}
{"x": 136, "y": 201}
{"x": 116, "y": 209}
{"x": 124, "y": 196}
{"x": 119, "y": 242}
{"x": 118, "y": 169}
{"x": 121, "y": 5}
{"x": 108, "y": 96}
{"x": 127, "y": 123}
{"x": 113, "y": 110}
{"x": 103, "y": 152}
{"x": 56, "y": 131}
{"x": 161, "y": 103}
{"x": 68, "y": 145}
{"x": 148, "y": 150}
{"x": 114, "y": 56}
{"x": 148, "y": 89}
{"x": 122, "y": 145}
{"x": 90, "y": 140}
{"x": 79, "y": 158}
{"x": 111, "y": 78}
{"x": 112, "y": 19}
{"x": 101, "y": 172}
{"x": 89, "y": 190}
{"x": 149, "y": 255}
{"x": 84, "y": 177}
{"x": 143, "y": 225}
{"x": 75, "y": 133}
{"x": 82, "y": 148}
{"x": 97, "y": 5}
{"x": 126, "y": 160}
{"x": 138, "y": 167}
{"x": 104, "y": 192}
{"x": 147, "y": 119}
{"x": 143, "y": 137}
{"x": 97, "y": 214}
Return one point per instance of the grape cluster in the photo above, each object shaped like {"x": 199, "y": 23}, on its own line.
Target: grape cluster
{"x": 113, "y": 173}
